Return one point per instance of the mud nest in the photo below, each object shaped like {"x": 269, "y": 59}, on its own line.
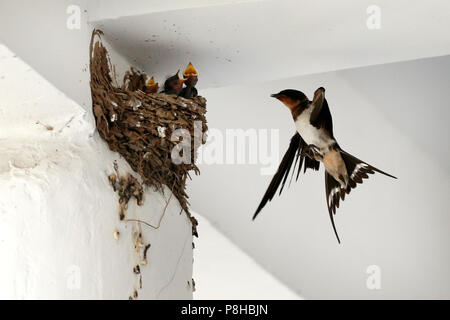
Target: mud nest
{"x": 139, "y": 126}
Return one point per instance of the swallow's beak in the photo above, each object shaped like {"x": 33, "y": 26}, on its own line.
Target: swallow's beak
{"x": 275, "y": 95}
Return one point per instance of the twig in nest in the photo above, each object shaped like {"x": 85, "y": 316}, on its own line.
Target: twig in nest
{"x": 160, "y": 218}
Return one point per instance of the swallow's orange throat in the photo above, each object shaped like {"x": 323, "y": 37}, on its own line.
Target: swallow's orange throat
{"x": 289, "y": 102}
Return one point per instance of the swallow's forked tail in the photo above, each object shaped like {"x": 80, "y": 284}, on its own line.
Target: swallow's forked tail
{"x": 357, "y": 171}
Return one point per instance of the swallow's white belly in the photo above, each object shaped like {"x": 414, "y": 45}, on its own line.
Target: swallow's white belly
{"x": 312, "y": 135}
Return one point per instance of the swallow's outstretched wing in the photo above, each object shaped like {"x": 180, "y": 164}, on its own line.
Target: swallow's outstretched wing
{"x": 321, "y": 115}
{"x": 357, "y": 171}
{"x": 296, "y": 151}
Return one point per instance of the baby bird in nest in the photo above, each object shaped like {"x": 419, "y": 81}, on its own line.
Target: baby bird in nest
{"x": 151, "y": 86}
{"x": 173, "y": 84}
{"x": 190, "y": 80}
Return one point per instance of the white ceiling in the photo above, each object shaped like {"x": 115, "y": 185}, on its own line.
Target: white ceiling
{"x": 265, "y": 40}
{"x": 111, "y": 9}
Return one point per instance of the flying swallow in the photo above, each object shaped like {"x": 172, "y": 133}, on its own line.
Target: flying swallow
{"x": 173, "y": 84}
{"x": 151, "y": 86}
{"x": 191, "y": 78}
{"x": 312, "y": 144}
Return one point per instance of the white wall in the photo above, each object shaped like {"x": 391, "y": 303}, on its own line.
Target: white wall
{"x": 39, "y": 35}
{"x": 58, "y": 212}
{"x": 392, "y": 116}
{"x": 223, "y": 271}
{"x": 58, "y": 217}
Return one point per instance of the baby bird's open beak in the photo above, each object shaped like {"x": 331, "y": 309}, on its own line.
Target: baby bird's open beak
{"x": 190, "y": 71}
{"x": 151, "y": 82}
